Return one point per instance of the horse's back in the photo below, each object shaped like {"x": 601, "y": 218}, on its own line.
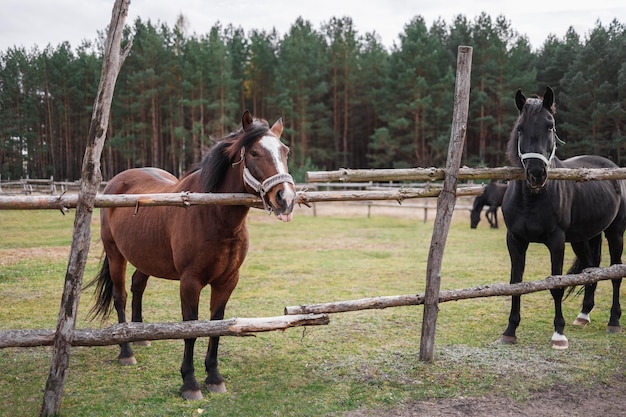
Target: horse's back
{"x": 596, "y": 202}
{"x": 140, "y": 235}
{"x": 141, "y": 181}
{"x": 588, "y": 161}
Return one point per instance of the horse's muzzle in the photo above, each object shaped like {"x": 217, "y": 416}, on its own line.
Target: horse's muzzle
{"x": 536, "y": 176}
{"x": 282, "y": 201}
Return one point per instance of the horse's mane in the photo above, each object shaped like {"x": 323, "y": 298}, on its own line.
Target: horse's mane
{"x": 215, "y": 164}
{"x": 532, "y": 108}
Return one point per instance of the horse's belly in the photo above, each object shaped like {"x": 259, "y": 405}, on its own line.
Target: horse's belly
{"x": 142, "y": 242}
{"x": 594, "y": 213}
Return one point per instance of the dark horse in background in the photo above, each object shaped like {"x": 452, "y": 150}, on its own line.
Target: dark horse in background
{"x": 492, "y": 197}
{"x": 555, "y": 212}
{"x": 199, "y": 245}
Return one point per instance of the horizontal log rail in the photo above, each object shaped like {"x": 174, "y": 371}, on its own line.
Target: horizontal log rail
{"x": 588, "y": 276}
{"x": 129, "y": 332}
{"x": 465, "y": 174}
{"x": 186, "y": 199}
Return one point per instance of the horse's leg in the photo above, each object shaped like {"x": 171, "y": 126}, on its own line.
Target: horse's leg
{"x": 138, "y": 286}
{"x": 588, "y": 254}
{"x": 517, "y": 253}
{"x": 616, "y": 309}
{"x": 189, "y": 298}
{"x": 615, "y": 237}
{"x": 557, "y": 252}
{"x": 219, "y": 297}
{"x": 117, "y": 268}
{"x": 495, "y": 217}
{"x": 492, "y": 218}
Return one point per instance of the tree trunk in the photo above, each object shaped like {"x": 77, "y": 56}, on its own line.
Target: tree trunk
{"x": 346, "y": 112}
{"x": 90, "y": 181}
{"x": 445, "y": 203}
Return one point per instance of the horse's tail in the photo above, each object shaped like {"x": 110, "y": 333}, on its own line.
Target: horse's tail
{"x": 576, "y": 268}
{"x": 104, "y": 293}
{"x": 594, "y": 248}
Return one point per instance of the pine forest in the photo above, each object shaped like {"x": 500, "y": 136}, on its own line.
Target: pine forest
{"x": 346, "y": 100}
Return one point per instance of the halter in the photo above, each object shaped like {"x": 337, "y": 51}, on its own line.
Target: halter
{"x": 262, "y": 187}
{"x": 535, "y": 155}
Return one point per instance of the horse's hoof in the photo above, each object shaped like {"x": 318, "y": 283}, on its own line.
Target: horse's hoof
{"x": 127, "y": 361}
{"x": 559, "y": 342}
{"x": 142, "y": 343}
{"x": 613, "y": 329}
{"x": 582, "y": 320}
{"x": 508, "y": 340}
{"x": 217, "y": 388}
{"x": 191, "y": 394}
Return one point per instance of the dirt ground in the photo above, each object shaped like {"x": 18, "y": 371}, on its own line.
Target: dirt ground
{"x": 560, "y": 401}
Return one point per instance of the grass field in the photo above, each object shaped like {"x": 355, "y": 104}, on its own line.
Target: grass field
{"x": 361, "y": 359}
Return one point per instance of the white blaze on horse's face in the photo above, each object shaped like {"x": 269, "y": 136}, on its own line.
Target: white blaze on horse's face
{"x": 275, "y": 148}
{"x": 284, "y": 195}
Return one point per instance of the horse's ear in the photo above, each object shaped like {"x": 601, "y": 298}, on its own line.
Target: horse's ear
{"x": 277, "y": 128}
{"x": 548, "y": 99}
{"x": 520, "y": 100}
{"x": 246, "y": 120}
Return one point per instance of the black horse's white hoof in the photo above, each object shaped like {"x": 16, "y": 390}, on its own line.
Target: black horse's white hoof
{"x": 582, "y": 320}
{"x": 559, "y": 341}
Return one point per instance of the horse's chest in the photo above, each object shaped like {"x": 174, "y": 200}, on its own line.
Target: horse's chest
{"x": 535, "y": 223}
{"x": 221, "y": 259}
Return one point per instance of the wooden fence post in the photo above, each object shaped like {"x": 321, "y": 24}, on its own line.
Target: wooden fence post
{"x": 90, "y": 181}
{"x": 445, "y": 203}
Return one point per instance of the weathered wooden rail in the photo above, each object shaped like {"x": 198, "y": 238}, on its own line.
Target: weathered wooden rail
{"x": 465, "y": 174}
{"x": 186, "y": 199}
{"x": 588, "y": 276}
{"x": 132, "y": 332}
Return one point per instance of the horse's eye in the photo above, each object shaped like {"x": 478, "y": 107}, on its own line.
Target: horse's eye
{"x": 254, "y": 154}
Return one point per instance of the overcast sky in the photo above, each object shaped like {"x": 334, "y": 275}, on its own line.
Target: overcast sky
{"x": 41, "y": 22}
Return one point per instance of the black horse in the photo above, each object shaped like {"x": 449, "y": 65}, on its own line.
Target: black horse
{"x": 555, "y": 212}
{"x": 492, "y": 196}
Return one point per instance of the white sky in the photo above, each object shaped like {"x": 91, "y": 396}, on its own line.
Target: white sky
{"x": 41, "y": 22}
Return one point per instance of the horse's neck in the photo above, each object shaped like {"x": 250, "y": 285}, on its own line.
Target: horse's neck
{"x": 232, "y": 182}
{"x": 231, "y": 216}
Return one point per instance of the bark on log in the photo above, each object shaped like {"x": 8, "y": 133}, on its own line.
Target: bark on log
{"x": 130, "y": 332}
{"x": 588, "y": 276}
{"x": 465, "y": 174}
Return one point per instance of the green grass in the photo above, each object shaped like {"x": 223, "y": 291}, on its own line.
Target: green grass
{"x": 361, "y": 359}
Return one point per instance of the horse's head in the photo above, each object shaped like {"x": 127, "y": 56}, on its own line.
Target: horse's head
{"x": 477, "y": 209}
{"x": 265, "y": 169}
{"x": 533, "y": 139}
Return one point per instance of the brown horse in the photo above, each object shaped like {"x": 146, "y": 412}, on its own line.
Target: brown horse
{"x": 199, "y": 245}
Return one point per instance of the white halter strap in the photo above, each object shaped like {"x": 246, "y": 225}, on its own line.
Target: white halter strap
{"x": 535, "y": 155}
{"x": 262, "y": 187}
